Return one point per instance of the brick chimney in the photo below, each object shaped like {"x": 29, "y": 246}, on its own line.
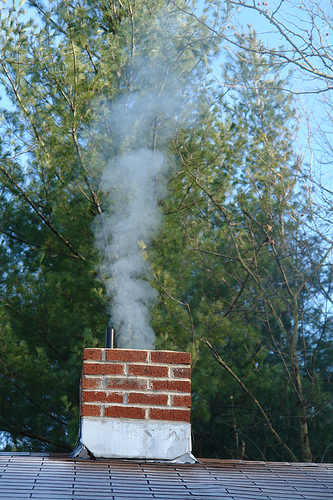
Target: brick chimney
{"x": 136, "y": 404}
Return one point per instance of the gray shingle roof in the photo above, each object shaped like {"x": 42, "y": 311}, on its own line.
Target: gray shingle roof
{"x": 58, "y": 477}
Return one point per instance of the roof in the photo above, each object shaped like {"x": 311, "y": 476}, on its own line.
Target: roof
{"x": 59, "y": 477}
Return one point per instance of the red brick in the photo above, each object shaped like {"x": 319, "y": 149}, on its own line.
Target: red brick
{"x": 102, "y": 369}
{"x": 181, "y": 401}
{"x": 181, "y": 372}
{"x": 124, "y": 412}
{"x": 126, "y": 355}
{"x": 93, "y": 354}
{"x": 147, "y": 399}
{"x": 127, "y": 384}
{"x": 172, "y": 415}
{"x": 91, "y": 383}
{"x": 181, "y": 358}
{"x": 102, "y": 397}
{"x": 171, "y": 385}
{"x": 148, "y": 370}
{"x": 91, "y": 411}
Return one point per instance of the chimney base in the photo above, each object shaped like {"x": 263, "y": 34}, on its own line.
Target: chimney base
{"x": 136, "y": 439}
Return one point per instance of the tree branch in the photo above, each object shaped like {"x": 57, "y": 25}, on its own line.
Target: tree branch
{"x": 249, "y": 393}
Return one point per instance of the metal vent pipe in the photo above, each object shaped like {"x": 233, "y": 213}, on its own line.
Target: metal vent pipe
{"x": 109, "y": 338}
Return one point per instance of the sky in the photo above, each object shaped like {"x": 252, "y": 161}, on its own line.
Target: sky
{"x": 313, "y": 106}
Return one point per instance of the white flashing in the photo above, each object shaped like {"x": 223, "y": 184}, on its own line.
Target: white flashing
{"x": 133, "y": 438}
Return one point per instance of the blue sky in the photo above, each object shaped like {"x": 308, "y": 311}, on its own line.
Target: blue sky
{"x": 314, "y": 113}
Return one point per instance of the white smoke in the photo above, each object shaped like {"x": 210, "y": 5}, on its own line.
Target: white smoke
{"x": 133, "y": 130}
{"x": 133, "y": 185}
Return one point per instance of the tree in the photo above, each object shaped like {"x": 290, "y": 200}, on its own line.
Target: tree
{"x": 235, "y": 262}
{"x": 254, "y": 271}
{"x": 298, "y": 35}
{"x": 56, "y": 72}
{"x": 303, "y": 30}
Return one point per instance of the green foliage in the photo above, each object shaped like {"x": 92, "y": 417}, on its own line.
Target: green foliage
{"x": 248, "y": 275}
{"x": 236, "y": 261}
{"x": 60, "y": 72}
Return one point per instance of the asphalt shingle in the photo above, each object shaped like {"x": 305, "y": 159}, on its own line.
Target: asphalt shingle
{"x": 58, "y": 477}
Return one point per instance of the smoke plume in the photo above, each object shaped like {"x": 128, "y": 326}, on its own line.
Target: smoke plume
{"x": 133, "y": 184}
{"x": 134, "y": 130}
